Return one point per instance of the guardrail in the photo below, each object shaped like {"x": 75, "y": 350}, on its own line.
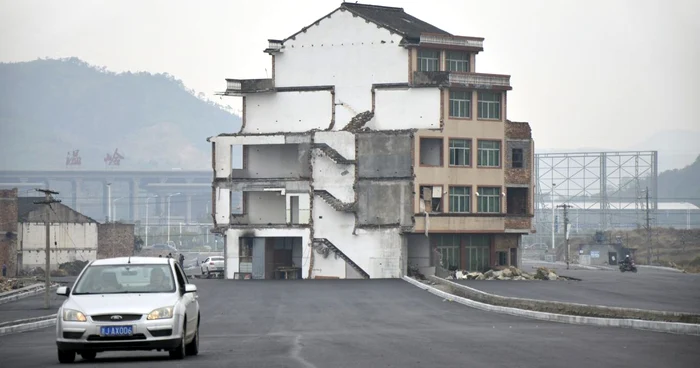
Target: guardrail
{"x": 10, "y": 296}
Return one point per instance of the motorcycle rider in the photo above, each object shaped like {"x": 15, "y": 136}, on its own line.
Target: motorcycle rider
{"x": 626, "y": 261}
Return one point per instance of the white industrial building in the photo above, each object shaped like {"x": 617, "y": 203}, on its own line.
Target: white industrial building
{"x": 333, "y": 159}
{"x": 73, "y": 236}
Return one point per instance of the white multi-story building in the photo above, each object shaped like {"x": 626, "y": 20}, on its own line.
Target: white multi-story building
{"x": 374, "y": 145}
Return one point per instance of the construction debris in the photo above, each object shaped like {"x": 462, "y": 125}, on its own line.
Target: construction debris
{"x": 70, "y": 268}
{"x": 13, "y": 284}
{"x": 508, "y": 273}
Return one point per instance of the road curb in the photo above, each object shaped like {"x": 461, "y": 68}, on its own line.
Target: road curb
{"x": 28, "y": 324}
{"x": 668, "y": 327}
{"x": 567, "y": 308}
{"x": 585, "y": 267}
{"x": 662, "y": 268}
{"x": 22, "y": 293}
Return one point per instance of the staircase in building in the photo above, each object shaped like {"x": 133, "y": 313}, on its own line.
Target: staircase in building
{"x": 323, "y": 245}
{"x": 333, "y": 154}
{"x": 336, "y": 203}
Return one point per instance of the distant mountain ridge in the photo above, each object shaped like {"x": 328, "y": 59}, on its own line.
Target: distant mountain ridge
{"x": 50, "y": 108}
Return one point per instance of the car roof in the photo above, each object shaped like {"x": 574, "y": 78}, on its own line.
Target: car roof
{"x": 132, "y": 260}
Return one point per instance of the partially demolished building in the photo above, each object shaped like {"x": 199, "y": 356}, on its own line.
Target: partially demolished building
{"x": 373, "y": 147}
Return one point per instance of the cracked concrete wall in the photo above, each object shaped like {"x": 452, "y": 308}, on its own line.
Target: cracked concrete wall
{"x": 384, "y": 155}
{"x": 276, "y": 161}
{"x": 410, "y": 108}
{"x": 377, "y": 251}
{"x": 327, "y": 54}
{"x": 294, "y": 111}
{"x": 385, "y": 202}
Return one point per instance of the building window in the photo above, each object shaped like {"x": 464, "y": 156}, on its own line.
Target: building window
{"x": 448, "y": 247}
{"x": 431, "y": 151}
{"x": 502, "y": 258}
{"x": 457, "y": 61}
{"x": 516, "y": 201}
{"x": 517, "y": 161}
{"x": 460, "y": 104}
{"x": 489, "y": 200}
{"x": 428, "y": 60}
{"x": 489, "y": 154}
{"x": 432, "y": 197}
{"x": 460, "y": 152}
{"x": 459, "y": 199}
{"x": 489, "y": 105}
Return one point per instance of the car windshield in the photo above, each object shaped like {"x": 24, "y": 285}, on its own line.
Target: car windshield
{"x": 120, "y": 279}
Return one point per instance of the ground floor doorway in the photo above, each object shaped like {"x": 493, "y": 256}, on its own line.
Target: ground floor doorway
{"x": 270, "y": 258}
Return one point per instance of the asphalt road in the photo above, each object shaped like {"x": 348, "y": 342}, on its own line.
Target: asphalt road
{"x": 646, "y": 289}
{"x": 375, "y": 323}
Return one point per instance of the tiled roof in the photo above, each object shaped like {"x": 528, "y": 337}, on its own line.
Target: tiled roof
{"x": 26, "y": 212}
{"x": 394, "y": 19}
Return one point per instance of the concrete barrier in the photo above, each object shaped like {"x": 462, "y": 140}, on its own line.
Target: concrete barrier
{"x": 28, "y": 324}
{"x": 574, "y": 309}
{"x": 668, "y": 327}
{"x": 24, "y": 292}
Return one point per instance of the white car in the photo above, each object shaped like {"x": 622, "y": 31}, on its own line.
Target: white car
{"x": 129, "y": 303}
{"x": 212, "y": 265}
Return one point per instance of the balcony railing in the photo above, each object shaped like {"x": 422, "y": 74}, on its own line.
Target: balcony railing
{"x": 237, "y": 87}
{"x": 471, "y": 42}
{"x": 274, "y": 46}
{"x": 469, "y": 80}
{"x": 480, "y": 80}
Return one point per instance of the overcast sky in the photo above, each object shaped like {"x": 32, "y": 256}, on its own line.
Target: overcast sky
{"x": 593, "y": 73}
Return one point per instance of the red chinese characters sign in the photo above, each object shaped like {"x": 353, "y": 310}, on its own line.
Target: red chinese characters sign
{"x": 114, "y": 159}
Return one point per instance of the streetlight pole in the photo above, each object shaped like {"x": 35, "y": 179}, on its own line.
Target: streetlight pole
{"x": 147, "y": 216}
{"x": 109, "y": 202}
{"x": 170, "y": 195}
{"x": 114, "y": 208}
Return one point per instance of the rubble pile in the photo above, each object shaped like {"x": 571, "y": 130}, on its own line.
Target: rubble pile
{"x": 544, "y": 273}
{"x": 12, "y": 284}
{"x": 70, "y": 268}
{"x": 508, "y": 273}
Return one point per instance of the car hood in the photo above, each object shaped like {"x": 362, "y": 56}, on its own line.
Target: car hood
{"x": 95, "y": 304}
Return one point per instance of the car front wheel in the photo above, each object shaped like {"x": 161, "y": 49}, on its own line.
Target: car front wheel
{"x": 65, "y": 356}
{"x": 193, "y": 347}
{"x": 179, "y": 351}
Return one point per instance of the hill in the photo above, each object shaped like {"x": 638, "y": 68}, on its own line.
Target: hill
{"x": 51, "y": 107}
{"x": 681, "y": 184}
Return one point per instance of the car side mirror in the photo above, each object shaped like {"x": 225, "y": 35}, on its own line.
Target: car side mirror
{"x": 63, "y": 290}
{"x": 190, "y": 288}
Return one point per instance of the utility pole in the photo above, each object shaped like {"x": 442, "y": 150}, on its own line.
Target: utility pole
{"x": 48, "y": 200}
{"x": 648, "y": 227}
{"x": 566, "y": 230}
{"x": 553, "y": 215}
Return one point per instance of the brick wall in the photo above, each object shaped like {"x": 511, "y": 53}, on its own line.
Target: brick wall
{"x": 8, "y": 230}
{"x": 518, "y": 130}
{"x": 115, "y": 240}
{"x": 518, "y": 222}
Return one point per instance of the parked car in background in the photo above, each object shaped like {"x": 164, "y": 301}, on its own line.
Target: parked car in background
{"x": 213, "y": 266}
{"x": 129, "y": 303}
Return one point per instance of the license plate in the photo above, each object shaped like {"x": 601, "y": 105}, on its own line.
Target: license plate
{"x": 116, "y": 330}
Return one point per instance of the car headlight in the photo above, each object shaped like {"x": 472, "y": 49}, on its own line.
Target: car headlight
{"x": 73, "y": 315}
{"x": 161, "y": 313}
